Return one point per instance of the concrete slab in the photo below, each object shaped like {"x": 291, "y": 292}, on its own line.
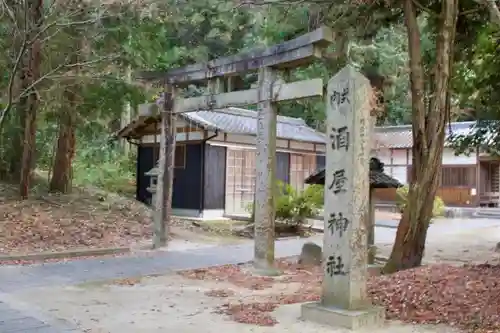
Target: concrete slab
{"x": 373, "y": 317}
{"x": 25, "y": 324}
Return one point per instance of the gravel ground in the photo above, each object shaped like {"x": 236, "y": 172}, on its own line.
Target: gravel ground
{"x": 172, "y": 303}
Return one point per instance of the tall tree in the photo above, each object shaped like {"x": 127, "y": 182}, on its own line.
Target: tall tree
{"x": 30, "y": 74}
{"x": 62, "y": 169}
{"x": 430, "y": 114}
{"x": 65, "y": 151}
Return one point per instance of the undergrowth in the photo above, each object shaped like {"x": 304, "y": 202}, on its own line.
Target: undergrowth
{"x": 106, "y": 168}
{"x": 98, "y": 162}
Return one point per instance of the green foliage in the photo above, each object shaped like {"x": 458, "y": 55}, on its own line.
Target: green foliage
{"x": 483, "y": 135}
{"x": 177, "y": 33}
{"x": 101, "y": 164}
{"x": 402, "y": 201}
{"x": 478, "y": 81}
{"x": 173, "y": 33}
{"x": 97, "y": 163}
{"x": 292, "y": 206}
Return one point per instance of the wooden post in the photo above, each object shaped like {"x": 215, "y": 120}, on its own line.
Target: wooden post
{"x": 266, "y": 174}
{"x": 344, "y": 298}
{"x": 371, "y": 202}
{"x": 370, "y": 239}
{"x": 163, "y": 211}
{"x": 300, "y": 51}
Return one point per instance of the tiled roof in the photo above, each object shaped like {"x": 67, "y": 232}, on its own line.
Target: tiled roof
{"x": 378, "y": 179}
{"x": 242, "y": 121}
{"x": 401, "y": 136}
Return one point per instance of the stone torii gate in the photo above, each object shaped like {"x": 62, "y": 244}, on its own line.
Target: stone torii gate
{"x": 219, "y": 76}
{"x": 344, "y": 300}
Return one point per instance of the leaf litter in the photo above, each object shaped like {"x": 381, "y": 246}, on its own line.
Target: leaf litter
{"x": 466, "y": 297}
{"x": 83, "y": 219}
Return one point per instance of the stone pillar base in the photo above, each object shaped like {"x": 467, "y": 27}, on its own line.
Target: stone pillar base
{"x": 372, "y": 317}
{"x": 375, "y": 270}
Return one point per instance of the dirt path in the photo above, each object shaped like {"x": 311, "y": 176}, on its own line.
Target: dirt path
{"x": 470, "y": 246}
{"x": 173, "y": 304}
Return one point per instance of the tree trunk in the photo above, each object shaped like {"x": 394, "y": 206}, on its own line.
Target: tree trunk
{"x": 61, "y": 180}
{"x": 62, "y": 176}
{"x": 31, "y": 73}
{"x": 126, "y": 115}
{"x": 428, "y": 126}
{"x": 15, "y": 134}
{"x": 166, "y": 163}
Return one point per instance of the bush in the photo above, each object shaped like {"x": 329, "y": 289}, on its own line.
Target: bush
{"x": 402, "y": 200}
{"x": 103, "y": 165}
{"x": 294, "y": 207}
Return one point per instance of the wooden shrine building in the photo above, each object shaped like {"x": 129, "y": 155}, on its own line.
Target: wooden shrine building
{"x": 215, "y": 161}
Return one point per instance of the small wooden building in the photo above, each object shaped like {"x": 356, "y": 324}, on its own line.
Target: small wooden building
{"x": 378, "y": 179}
{"x": 466, "y": 180}
{"x": 215, "y": 159}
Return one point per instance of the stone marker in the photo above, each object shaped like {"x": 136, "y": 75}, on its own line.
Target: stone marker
{"x": 311, "y": 254}
{"x": 344, "y": 300}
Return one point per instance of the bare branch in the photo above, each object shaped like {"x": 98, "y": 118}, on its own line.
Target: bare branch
{"x": 15, "y": 68}
{"x": 67, "y": 18}
{"x": 11, "y": 15}
{"x": 494, "y": 11}
{"x": 64, "y": 66}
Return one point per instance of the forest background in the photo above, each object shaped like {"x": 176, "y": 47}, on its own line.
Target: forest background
{"x": 67, "y": 75}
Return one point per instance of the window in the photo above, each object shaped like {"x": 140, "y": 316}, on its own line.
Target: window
{"x": 458, "y": 176}
{"x": 301, "y": 167}
{"x": 180, "y": 157}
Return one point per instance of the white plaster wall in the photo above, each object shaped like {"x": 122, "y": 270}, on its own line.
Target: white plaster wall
{"x": 242, "y": 140}
{"x": 384, "y": 155}
{"x": 399, "y": 156}
{"x": 400, "y": 173}
{"x": 234, "y": 140}
{"x": 302, "y": 145}
{"x": 193, "y": 136}
{"x": 450, "y": 158}
{"x": 180, "y": 123}
{"x": 239, "y": 138}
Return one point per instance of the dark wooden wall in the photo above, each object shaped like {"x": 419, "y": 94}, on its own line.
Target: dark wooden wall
{"x": 145, "y": 162}
{"x": 320, "y": 161}
{"x": 214, "y": 177}
{"x": 187, "y": 181}
{"x": 283, "y": 167}
{"x": 187, "y": 187}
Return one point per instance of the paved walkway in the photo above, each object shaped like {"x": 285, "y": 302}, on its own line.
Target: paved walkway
{"x": 16, "y": 319}
{"x": 14, "y": 278}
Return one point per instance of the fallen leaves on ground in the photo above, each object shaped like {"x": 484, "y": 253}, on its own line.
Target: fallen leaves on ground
{"x": 250, "y": 313}
{"x": 46, "y": 261}
{"x": 129, "y": 282}
{"x": 83, "y": 219}
{"x": 230, "y": 273}
{"x": 221, "y": 293}
{"x": 467, "y": 297}
{"x": 240, "y": 276}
